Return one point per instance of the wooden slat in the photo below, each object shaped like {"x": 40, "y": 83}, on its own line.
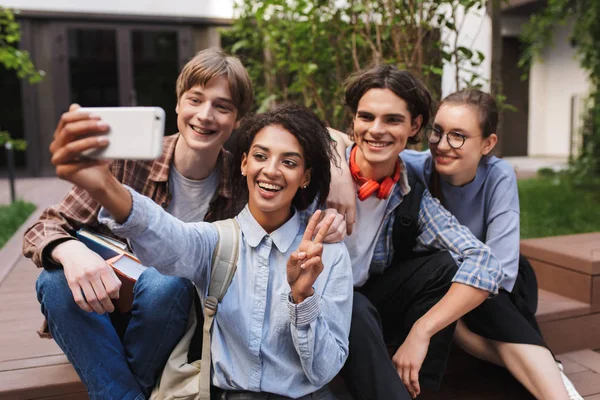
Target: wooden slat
{"x": 74, "y": 396}
{"x": 39, "y": 382}
{"x": 569, "y": 366}
{"x": 587, "y": 383}
{"x": 572, "y": 334}
{"x": 552, "y": 306}
{"x": 37, "y": 361}
{"x": 562, "y": 281}
{"x": 587, "y": 358}
{"x": 577, "y": 252}
{"x": 596, "y": 294}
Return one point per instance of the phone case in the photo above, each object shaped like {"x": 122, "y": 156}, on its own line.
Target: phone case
{"x": 135, "y": 133}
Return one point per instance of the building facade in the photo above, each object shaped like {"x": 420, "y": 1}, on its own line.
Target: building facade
{"x": 548, "y": 102}
{"x": 103, "y": 53}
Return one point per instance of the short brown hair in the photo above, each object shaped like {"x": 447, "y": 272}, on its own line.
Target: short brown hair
{"x": 211, "y": 63}
{"x": 401, "y": 82}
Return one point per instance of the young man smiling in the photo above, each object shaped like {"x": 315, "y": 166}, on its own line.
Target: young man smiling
{"x": 191, "y": 181}
{"x": 408, "y": 293}
{"x": 121, "y": 356}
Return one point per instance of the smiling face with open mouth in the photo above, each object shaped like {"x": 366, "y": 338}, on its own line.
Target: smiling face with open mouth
{"x": 275, "y": 170}
{"x": 206, "y": 115}
{"x": 382, "y": 126}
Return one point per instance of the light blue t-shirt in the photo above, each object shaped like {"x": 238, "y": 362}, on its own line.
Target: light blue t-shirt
{"x": 488, "y": 206}
{"x": 261, "y": 341}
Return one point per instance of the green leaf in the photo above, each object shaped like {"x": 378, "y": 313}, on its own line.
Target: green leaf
{"x": 238, "y": 46}
{"x": 436, "y": 70}
{"x": 468, "y": 53}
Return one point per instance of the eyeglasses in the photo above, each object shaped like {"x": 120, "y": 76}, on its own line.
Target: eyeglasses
{"x": 455, "y": 139}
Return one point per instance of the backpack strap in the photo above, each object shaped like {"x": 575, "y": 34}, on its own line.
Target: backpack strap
{"x": 406, "y": 220}
{"x": 224, "y": 258}
{"x": 224, "y": 264}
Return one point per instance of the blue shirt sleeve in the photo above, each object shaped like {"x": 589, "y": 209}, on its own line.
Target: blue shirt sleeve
{"x": 164, "y": 242}
{"x": 477, "y": 266}
{"x": 503, "y": 227}
{"x": 320, "y": 325}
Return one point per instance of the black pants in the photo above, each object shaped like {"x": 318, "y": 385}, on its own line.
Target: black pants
{"x": 384, "y": 311}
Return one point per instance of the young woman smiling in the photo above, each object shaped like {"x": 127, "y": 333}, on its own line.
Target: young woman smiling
{"x": 481, "y": 191}
{"x": 282, "y": 327}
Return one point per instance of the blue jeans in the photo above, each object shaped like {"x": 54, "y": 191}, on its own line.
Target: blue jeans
{"x": 113, "y": 364}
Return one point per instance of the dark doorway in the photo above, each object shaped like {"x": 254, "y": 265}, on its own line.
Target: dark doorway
{"x": 93, "y": 67}
{"x": 513, "y": 131}
{"x": 111, "y": 65}
{"x": 155, "y": 69}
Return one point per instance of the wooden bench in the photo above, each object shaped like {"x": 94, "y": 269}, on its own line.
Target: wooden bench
{"x": 568, "y": 273}
{"x": 34, "y": 368}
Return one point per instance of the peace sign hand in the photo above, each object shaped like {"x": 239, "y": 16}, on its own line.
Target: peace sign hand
{"x": 305, "y": 264}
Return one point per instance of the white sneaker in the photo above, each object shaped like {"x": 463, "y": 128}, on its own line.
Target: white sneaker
{"x": 573, "y": 394}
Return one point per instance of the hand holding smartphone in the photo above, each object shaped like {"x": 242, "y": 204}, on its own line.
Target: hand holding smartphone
{"x": 135, "y": 133}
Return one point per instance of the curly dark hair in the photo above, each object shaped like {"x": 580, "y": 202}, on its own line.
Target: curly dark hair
{"x": 404, "y": 85}
{"x": 313, "y": 136}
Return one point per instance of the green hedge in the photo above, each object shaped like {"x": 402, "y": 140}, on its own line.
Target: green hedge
{"x": 12, "y": 217}
{"x": 555, "y": 206}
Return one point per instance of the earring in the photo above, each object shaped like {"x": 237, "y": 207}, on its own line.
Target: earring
{"x": 243, "y": 173}
{"x": 304, "y": 187}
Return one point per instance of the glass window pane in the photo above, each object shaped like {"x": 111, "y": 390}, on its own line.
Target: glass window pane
{"x": 93, "y": 67}
{"x": 155, "y": 70}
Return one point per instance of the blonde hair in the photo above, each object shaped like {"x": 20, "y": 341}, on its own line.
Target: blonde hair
{"x": 214, "y": 62}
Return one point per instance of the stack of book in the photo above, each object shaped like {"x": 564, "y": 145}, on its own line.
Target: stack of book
{"x": 125, "y": 264}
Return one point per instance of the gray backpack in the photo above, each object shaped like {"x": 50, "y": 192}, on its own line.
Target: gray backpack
{"x": 181, "y": 380}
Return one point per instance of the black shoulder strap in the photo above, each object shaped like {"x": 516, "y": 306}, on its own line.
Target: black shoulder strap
{"x": 406, "y": 219}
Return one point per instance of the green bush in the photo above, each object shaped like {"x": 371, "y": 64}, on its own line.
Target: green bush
{"x": 546, "y": 172}
{"x": 556, "y": 206}
{"x": 12, "y": 217}
{"x": 302, "y": 50}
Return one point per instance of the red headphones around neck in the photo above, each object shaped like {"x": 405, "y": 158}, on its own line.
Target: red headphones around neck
{"x": 366, "y": 187}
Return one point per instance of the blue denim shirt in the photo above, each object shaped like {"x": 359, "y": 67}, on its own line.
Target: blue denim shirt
{"x": 261, "y": 341}
{"x": 438, "y": 230}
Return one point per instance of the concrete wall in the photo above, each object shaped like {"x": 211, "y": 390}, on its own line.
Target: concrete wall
{"x": 183, "y": 8}
{"x": 553, "y": 81}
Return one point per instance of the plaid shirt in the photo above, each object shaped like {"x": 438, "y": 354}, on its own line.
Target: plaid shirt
{"x": 150, "y": 178}
{"x": 438, "y": 230}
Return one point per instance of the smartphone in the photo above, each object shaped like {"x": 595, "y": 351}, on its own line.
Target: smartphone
{"x": 135, "y": 133}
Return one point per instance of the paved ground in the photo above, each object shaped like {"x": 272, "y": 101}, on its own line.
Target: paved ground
{"x": 527, "y": 167}
{"x": 43, "y": 192}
